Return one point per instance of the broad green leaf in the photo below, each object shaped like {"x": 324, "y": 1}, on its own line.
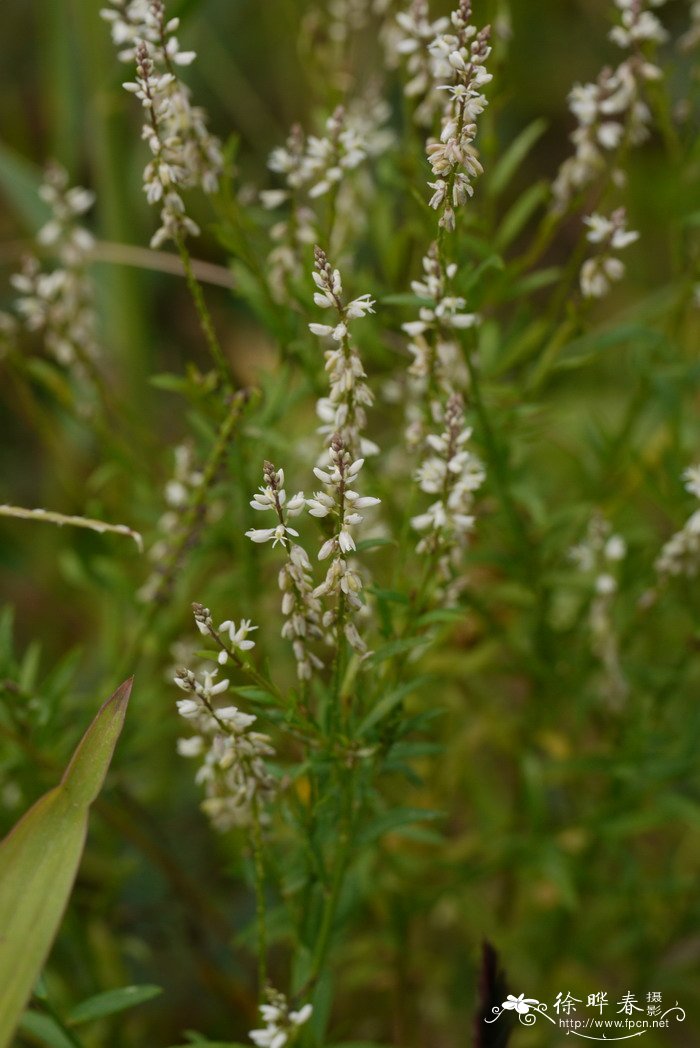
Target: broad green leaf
{"x": 110, "y": 1002}
{"x": 39, "y": 861}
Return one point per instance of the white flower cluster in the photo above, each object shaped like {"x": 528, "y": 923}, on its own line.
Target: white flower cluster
{"x": 681, "y": 554}
{"x": 340, "y": 503}
{"x": 59, "y": 302}
{"x": 454, "y": 159}
{"x": 426, "y": 69}
{"x": 598, "y": 272}
{"x": 638, "y": 25}
{"x": 599, "y": 552}
{"x": 436, "y": 354}
{"x": 691, "y": 38}
{"x": 281, "y": 1024}
{"x": 184, "y": 153}
{"x": 612, "y": 111}
{"x": 343, "y": 411}
{"x": 453, "y": 473}
{"x": 599, "y": 556}
{"x": 318, "y": 162}
{"x": 236, "y": 781}
{"x": 300, "y": 605}
{"x": 311, "y": 168}
{"x": 179, "y": 493}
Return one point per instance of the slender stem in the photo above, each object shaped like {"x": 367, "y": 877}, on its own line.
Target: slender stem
{"x": 260, "y": 907}
{"x": 205, "y": 320}
{"x": 191, "y": 521}
{"x": 332, "y": 897}
{"x": 496, "y": 460}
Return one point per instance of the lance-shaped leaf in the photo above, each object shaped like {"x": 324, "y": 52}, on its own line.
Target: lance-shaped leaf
{"x": 39, "y": 861}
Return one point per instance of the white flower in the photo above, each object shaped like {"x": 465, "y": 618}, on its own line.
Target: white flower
{"x": 238, "y": 635}
{"x": 454, "y": 473}
{"x": 599, "y": 272}
{"x": 279, "y": 1021}
{"x": 691, "y": 476}
{"x": 343, "y": 411}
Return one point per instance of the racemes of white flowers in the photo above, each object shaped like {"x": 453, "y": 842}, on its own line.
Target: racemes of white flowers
{"x": 319, "y": 162}
{"x": 232, "y": 770}
{"x": 343, "y": 411}
{"x": 301, "y": 608}
{"x": 638, "y": 24}
{"x": 312, "y": 167}
{"x": 437, "y": 360}
{"x": 612, "y": 112}
{"x": 59, "y": 302}
{"x": 281, "y": 1023}
{"x": 454, "y": 159}
{"x": 426, "y": 69}
{"x": 600, "y": 556}
{"x": 339, "y": 502}
{"x": 453, "y": 473}
{"x": 184, "y": 154}
{"x": 179, "y": 493}
{"x": 691, "y": 38}
{"x": 681, "y": 554}
{"x": 611, "y": 235}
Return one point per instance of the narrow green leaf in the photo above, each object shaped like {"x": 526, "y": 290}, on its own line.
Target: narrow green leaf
{"x": 514, "y": 156}
{"x": 398, "y": 647}
{"x": 39, "y": 860}
{"x": 44, "y": 1029}
{"x": 388, "y": 702}
{"x": 19, "y": 184}
{"x": 520, "y": 213}
{"x": 111, "y": 1001}
{"x": 396, "y": 819}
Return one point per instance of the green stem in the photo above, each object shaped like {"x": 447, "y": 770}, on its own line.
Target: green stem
{"x": 205, "y": 320}
{"x": 497, "y": 461}
{"x": 332, "y": 899}
{"x": 260, "y": 907}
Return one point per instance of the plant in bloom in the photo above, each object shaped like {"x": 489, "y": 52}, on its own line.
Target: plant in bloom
{"x": 313, "y": 167}
{"x": 426, "y": 68}
{"x": 281, "y": 1023}
{"x": 343, "y": 411}
{"x": 340, "y": 503}
{"x": 612, "y": 113}
{"x": 299, "y": 604}
{"x": 453, "y": 473}
{"x": 454, "y": 159}
{"x": 599, "y": 271}
{"x": 184, "y": 153}
{"x": 59, "y": 302}
{"x": 236, "y": 781}
{"x": 600, "y": 556}
{"x": 680, "y": 554}
{"x": 438, "y": 368}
